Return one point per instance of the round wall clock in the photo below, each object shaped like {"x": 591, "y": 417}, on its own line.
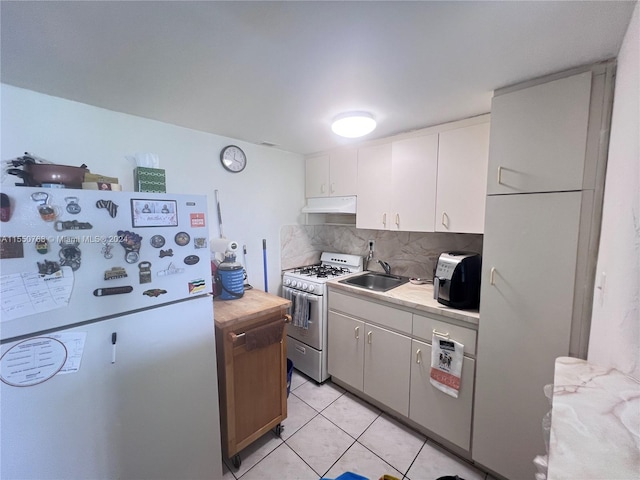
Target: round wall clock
{"x": 233, "y": 158}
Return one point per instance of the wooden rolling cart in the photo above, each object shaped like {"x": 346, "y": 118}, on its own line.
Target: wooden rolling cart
{"x": 252, "y": 368}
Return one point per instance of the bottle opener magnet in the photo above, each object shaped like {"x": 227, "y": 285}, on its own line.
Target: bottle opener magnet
{"x": 145, "y": 272}
{"x": 131, "y": 243}
{"x": 72, "y": 205}
{"x": 47, "y": 212}
{"x": 70, "y": 253}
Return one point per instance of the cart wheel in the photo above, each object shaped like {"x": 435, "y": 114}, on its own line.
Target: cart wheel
{"x": 278, "y": 430}
{"x": 236, "y": 460}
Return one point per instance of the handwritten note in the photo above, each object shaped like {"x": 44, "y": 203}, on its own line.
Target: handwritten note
{"x": 23, "y": 294}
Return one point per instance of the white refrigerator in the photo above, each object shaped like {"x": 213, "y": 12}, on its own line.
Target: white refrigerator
{"x": 108, "y": 362}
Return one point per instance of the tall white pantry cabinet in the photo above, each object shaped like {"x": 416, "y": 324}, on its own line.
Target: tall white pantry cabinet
{"x": 547, "y": 160}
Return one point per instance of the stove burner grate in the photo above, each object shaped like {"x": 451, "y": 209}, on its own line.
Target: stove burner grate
{"x": 322, "y": 271}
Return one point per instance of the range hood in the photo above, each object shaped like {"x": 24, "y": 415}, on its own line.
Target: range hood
{"x": 344, "y": 205}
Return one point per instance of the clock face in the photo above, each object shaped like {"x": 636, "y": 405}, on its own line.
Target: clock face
{"x": 233, "y": 158}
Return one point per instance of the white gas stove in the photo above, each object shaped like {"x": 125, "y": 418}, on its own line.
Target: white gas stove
{"x": 307, "y": 290}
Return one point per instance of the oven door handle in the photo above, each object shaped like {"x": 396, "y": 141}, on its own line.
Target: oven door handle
{"x": 290, "y": 292}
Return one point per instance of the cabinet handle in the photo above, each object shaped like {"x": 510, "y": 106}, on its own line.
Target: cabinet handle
{"x": 369, "y": 338}
{"x": 418, "y": 356}
{"x": 440, "y": 334}
{"x": 500, "y": 175}
{"x": 492, "y": 280}
{"x": 445, "y": 220}
{"x": 322, "y": 188}
{"x": 398, "y": 220}
{"x": 384, "y": 219}
{"x": 332, "y": 188}
{"x": 356, "y": 332}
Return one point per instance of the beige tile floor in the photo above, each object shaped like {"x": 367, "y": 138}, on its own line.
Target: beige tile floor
{"x": 329, "y": 431}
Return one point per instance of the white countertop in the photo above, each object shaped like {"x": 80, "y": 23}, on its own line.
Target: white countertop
{"x": 417, "y": 297}
{"x": 595, "y": 423}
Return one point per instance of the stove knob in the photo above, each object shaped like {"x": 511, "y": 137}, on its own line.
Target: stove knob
{"x": 304, "y": 286}
{"x": 311, "y": 288}
{"x": 297, "y": 284}
{"x": 287, "y": 282}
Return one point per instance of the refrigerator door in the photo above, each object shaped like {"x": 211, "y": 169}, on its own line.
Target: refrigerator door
{"x": 153, "y": 413}
{"x": 124, "y": 252}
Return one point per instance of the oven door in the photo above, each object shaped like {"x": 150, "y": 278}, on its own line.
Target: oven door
{"x": 312, "y": 335}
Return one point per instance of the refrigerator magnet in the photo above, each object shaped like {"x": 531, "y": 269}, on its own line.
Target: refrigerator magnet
{"x": 42, "y": 245}
{"x": 145, "y": 272}
{"x": 157, "y": 241}
{"x": 191, "y": 259}
{"x": 11, "y": 247}
{"x": 72, "y": 205}
{"x": 155, "y": 292}
{"x": 182, "y": 238}
{"x": 115, "y": 273}
{"x": 103, "y": 292}
{"x": 166, "y": 253}
{"x": 131, "y": 243}
{"x": 154, "y": 213}
{"x": 111, "y": 207}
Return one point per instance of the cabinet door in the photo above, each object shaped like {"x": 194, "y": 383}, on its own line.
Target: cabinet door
{"x": 444, "y": 415}
{"x": 539, "y": 136}
{"x": 526, "y": 304}
{"x": 374, "y": 187}
{"x": 345, "y": 347}
{"x": 463, "y": 156}
{"x": 413, "y": 179}
{"x": 343, "y": 172}
{"x": 386, "y": 372}
{"x": 317, "y": 176}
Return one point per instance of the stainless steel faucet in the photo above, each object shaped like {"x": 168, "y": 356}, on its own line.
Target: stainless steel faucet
{"x": 385, "y": 266}
{"x": 368, "y": 257}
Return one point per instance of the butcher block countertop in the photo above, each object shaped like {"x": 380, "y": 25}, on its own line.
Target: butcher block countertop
{"x": 253, "y": 304}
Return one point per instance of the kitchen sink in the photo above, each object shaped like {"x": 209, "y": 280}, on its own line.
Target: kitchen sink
{"x": 378, "y": 282}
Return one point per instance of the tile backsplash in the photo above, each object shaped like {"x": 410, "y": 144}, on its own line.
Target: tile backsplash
{"x": 412, "y": 254}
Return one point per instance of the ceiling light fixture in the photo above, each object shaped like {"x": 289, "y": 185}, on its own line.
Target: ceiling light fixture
{"x": 353, "y": 124}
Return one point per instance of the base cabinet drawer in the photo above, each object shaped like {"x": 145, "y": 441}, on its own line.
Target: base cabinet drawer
{"x": 443, "y": 414}
{"x": 424, "y": 327}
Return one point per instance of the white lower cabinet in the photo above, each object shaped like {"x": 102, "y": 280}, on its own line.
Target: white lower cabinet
{"x": 386, "y": 376}
{"x": 371, "y": 359}
{"x": 346, "y": 349}
{"x": 393, "y": 367}
{"x": 447, "y": 416}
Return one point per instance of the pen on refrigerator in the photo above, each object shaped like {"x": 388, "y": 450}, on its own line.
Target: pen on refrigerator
{"x": 114, "y": 338}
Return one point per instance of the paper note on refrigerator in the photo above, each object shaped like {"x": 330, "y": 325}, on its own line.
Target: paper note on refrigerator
{"x": 23, "y": 294}
{"x": 74, "y": 343}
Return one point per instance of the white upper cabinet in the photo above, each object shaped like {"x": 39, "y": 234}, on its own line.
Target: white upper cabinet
{"x": 539, "y": 136}
{"x": 463, "y": 155}
{"x": 413, "y": 183}
{"x": 374, "y": 187}
{"x": 332, "y": 175}
{"x": 396, "y": 185}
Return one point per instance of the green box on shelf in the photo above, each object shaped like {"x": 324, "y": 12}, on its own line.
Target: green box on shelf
{"x": 151, "y": 180}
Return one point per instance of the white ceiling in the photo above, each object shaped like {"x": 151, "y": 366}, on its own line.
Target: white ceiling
{"x": 278, "y": 72}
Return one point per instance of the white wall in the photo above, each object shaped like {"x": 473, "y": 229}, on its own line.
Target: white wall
{"x": 269, "y": 193}
{"x": 615, "y": 327}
